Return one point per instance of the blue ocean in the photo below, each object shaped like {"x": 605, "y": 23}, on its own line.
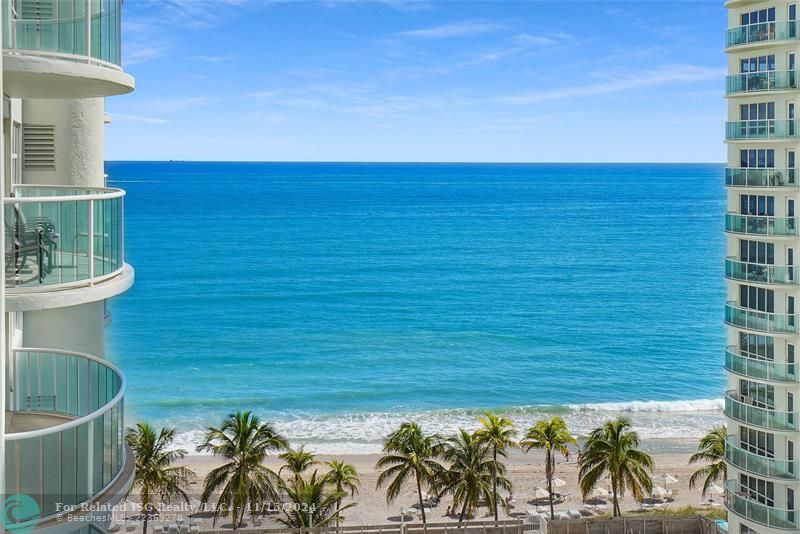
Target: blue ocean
{"x": 340, "y": 299}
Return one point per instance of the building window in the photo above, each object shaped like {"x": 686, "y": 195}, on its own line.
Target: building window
{"x": 757, "y": 205}
{"x": 757, "y": 112}
{"x": 757, "y": 394}
{"x": 757, "y": 442}
{"x": 757, "y": 347}
{"x": 757, "y": 298}
{"x": 757, "y": 158}
{"x": 756, "y": 252}
{"x": 758, "y": 17}
{"x": 757, "y": 489}
{"x": 757, "y": 64}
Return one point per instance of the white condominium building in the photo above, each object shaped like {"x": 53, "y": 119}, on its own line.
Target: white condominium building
{"x": 64, "y": 257}
{"x": 762, "y": 270}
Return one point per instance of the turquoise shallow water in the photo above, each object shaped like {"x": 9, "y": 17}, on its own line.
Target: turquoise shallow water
{"x": 337, "y": 299}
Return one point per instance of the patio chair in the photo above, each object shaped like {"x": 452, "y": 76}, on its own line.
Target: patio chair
{"x": 36, "y": 237}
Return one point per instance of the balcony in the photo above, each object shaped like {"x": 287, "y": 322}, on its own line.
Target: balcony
{"x": 761, "y": 82}
{"x": 754, "y": 130}
{"x": 762, "y": 417}
{"x": 760, "y": 369}
{"x": 761, "y": 273}
{"x": 755, "y": 177}
{"x": 759, "y": 465}
{"x": 765, "y": 32}
{"x": 748, "y": 319}
{"x": 760, "y": 225}
{"x": 74, "y": 46}
{"x": 62, "y": 237}
{"x": 739, "y": 503}
{"x": 65, "y": 427}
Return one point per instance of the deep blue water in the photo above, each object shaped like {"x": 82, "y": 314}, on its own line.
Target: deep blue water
{"x": 347, "y": 292}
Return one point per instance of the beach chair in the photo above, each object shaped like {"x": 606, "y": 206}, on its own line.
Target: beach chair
{"x": 574, "y": 514}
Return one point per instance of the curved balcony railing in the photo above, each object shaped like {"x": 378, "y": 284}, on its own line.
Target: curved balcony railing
{"x": 753, "y": 415}
{"x": 761, "y": 273}
{"x": 59, "y": 237}
{"x": 760, "y": 369}
{"x": 76, "y": 459}
{"x": 746, "y": 318}
{"x": 759, "y": 465}
{"x": 754, "y": 177}
{"x": 760, "y": 33}
{"x": 738, "y": 502}
{"x": 760, "y": 225}
{"x": 762, "y": 129}
{"x": 66, "y": 31}
{"x": 751, "y": 82}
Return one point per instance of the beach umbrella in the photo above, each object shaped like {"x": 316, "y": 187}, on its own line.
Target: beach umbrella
{"x": 540, "y": 493}
{"x": 669, "y": 479}
{"x": 658, "y": 491}
{"x": 715, "y": 488}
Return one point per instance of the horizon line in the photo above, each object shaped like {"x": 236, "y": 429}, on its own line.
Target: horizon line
{"x": 388, "y": 162}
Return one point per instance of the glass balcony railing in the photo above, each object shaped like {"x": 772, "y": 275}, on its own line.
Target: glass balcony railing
{"x": 753, "y": 415}
{"x": 65, "y": 30}
{"x": 750, "y": 82}
{"x": 760, "y": 369}
{"x": 62, "y": 236}
{"x": 780, "y": 323}
{"x": 762, "y": 129}
{"x": 739, "y": 502}
{"x": 753, "y": 177}
{"x": 759, "y": 465}
{"x": 762, "y": 32}
{"x": 760, "y": 225}
{"x": 75, "y": 402}
{"x": 761, "y": 273}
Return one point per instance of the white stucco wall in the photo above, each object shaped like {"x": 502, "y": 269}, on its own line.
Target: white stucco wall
{"x": 78, "y": 328}
{"x": 79, "y": 132}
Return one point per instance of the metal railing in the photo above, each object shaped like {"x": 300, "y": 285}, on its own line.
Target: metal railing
{"x": 740, "y": 504}
{"x": 761, "y": 32}
{"x": 756, "y": 177}
{"x": 59, "y": 237}
{"x": 760, "y": 225}
{"x": 754, "y": 415}
{"x": 757, "y": 464}
{"x": 771, "y": 80}
{"x": 85, "y": 31}
{"x": 81, "y": 452}
{"x": 761, "y": 273}
{"x": 760, "y": 369}
{"x": 762, "y": 129}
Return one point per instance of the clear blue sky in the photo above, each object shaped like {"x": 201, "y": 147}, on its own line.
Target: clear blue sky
{"x": 358, "y": 80}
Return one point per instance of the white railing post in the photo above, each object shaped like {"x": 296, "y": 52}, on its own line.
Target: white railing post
{"x": 90, "y": 464}
{"x": 90, "y": 244}
{"x": 88, "y": 28}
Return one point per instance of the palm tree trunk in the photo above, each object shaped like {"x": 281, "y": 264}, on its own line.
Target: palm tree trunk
{"x": 463, "y": 510}
{"x": 146, "y": 508}
{"x": 549, "y": 474}
{"x": 338, "y": 507}
{"x": 494, "y": 482}
{"x": 615, "y": 512}
{"x": 419, "y": 494}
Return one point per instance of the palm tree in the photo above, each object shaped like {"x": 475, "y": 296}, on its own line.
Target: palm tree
{"x": 155, "y": 475}
{"x": 409, "y": 454}
{"x": 473, "y": 473}
{"x": 314, "y": 505}
{"x": 498, "y": 433}
{"x": 710, "y": 449}
{"x": 553, "y": 436}
{"x": 611, "y": 449}
{"x": 297, "y": 461}
{"x": 244, "y": 441}
{"x": 344, "y": 479}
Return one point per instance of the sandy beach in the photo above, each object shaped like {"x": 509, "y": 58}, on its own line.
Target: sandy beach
{"x": 526, "y": 471}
